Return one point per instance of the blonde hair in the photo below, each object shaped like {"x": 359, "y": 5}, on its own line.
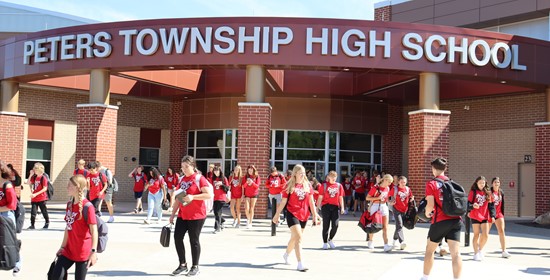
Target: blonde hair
{"x": 80, "y": 183}
{"x": 292, "y": 182}
{"x": 39, "y": 166}
{"x": 388, "y": 177}
{"x": 240, "y": 173}
{"x": 81, "y": 162}
{"x": 333, "y": 173}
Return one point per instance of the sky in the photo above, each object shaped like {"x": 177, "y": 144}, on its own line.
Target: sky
{"x": 122, "y": 10}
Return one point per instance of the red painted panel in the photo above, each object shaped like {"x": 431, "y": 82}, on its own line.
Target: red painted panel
{"x": 40, "y": 130}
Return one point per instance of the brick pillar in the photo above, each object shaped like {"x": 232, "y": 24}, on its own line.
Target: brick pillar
{"x": 382, "y": 13}
{"x": 428, "y": 139}
{"x": 13, "y": 139}
{"x": 392, "y": 148}
{"x": 178, "y": 135}
{"x": 542, "y": 168}
{"x": 253, "y": 142}
{"x": 96, "y": 130}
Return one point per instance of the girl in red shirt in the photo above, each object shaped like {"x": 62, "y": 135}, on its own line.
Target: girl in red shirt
{"x": 378, "y": 195}
{"x": 80, "y": 239}
{"x": 331, "y": 204}
{"x": 220, "y": 197}
{"x": 194, "y": 190}
{"x": 236, "y": 195}
{"x": 39, "y": 186}
{"x": 347, "y": 194}
{"x": 97, "y": 185}
{"x": 139, "y": 185}
{"x": 479, "y": 197}
{"x": 171, "y": 180}
{"x": 298, "y": 199}
{"x": 400, "y": 196}
{"x": 251, "y": 184}
{"x": 8, "y": 201}
{"x": 157, "y": 194}
{"x": 498, "y": 200}
{"x": 359, "y": 198}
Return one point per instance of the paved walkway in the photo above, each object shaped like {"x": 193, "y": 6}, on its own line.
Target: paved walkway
{"x": 134, "y": 252}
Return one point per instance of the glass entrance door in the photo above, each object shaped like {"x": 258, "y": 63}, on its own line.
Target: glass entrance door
{"x": 313, "y": 168}
{"x": 345, "y": 171}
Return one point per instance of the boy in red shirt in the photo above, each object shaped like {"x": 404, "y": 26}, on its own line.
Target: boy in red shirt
{"x": 97, "y": 185}
{"x": 358, "y": 184}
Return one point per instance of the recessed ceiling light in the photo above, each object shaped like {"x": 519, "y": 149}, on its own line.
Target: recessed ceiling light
{"x": 314, "y": 95}
{"x": 381, "y": 100}
{"x": 171, "y": 67}
{"x": 346, "y": 69}
{"x": 502, "y": 82}
{"x": 185, "y": 97}
{"x": 46, "y": 75}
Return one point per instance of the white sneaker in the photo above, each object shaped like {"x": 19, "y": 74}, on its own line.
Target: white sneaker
{"x": 403, "y": 246}
{"x": 285, "y": 257}
{"x": 387, "y": 248}
{"x": 505, "y": 254}
{"x": 325, "y": 246}
{"x": 481, "y": 255}
{"x": 111, "y": 219}
{"x": 476, "y": 257}
{"x": 301, "y": 267}
{"x": 331, "y": 244}
{"x": 249, "y": 226}
{"x": 394, "y": 244}
{"x": 345, "y": 212}
{"x": 370, "y": 245}
{"x": 234, "y": 223}
{"x": 146, "y": 222}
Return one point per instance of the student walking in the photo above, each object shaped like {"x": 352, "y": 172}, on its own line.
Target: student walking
{"x": 79, "y": 243}
{"x": 275, "y": 183}
{"x": 39, "y": 186}
{"x": 15, "y": 180}
{"x": 359, "y": 193}
{"x": 191, "y": 217}
{"x": 81, "y": 168}
{"x": 348, "y": 192}
{"x": 442, "y": 226}
{"x": 157, "y": 194}
{"x": 220, "y": 196}
{"x": 97, "y": 184}
{"x": 498, "y": 200}
{"x": 331, "y": 204}
{"x": 8, "y": 202}
{"x": 298, "y": 199}
{"x": 139, "y": 185}
{"x": 400, "y": 196}
{"x": 236, "y": 195}
{"x": 171, "y": 180}
{"x": 251, "y": 184}
{"x": 479, "y": 197}
{"x": 378, "y": 196}
{"x": 109, "y": 192}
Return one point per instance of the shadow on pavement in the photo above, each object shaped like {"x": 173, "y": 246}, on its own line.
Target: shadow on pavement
{"x": 536, "y": 270}
{"x": 244, "y": 265}
{"x": 123, "y": 273}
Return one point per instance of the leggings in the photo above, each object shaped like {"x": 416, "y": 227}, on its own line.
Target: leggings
{"x": 219, "y": 220}
{"x": 43, "y": 209}
{"x": 96, "y": 203}
{"x": 62, "y": 266}
{"x": 398, "y": 234}
{"x": 331, "y": 217}
{"x": 194, "y": 228}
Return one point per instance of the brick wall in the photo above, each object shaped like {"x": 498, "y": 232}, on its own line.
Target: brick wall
{"x": 392, "y": 151}
{"x": 178, "y": 141}
{"x": 383, "y": 13}
{"x": 254, "y": 137}
{"x": 96, "y": 135}
{"x": 12, "y": 138}
{"x": 542, "y": 159}
{"x": 428, "y": 139}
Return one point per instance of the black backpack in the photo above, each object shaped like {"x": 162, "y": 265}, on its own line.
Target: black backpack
{"x": 455, "y": 199}
{"x": 50, "y": 190}
{"x": 410, "y": 218}
{"x": 9, "y": 251}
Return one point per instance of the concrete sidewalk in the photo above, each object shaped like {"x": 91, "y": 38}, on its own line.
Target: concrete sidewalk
{"x": 134, "y": 252}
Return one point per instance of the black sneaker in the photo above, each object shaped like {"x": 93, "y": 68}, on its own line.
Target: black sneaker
{"x": 46, "y": 226}
{"x": 194, "y": 271}
{"x": 181, "y": 269}
{"x": 31, "y": 227}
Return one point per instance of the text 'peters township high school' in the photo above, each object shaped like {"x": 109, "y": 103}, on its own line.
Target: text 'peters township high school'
{"x": 463, "y": 79}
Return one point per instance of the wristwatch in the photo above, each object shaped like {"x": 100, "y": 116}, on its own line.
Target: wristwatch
{"x": 94, "y": 250}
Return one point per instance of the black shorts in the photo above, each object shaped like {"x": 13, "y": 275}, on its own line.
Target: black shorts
{"x": 291, "y": 220}
{"x": 448, "y": 229}
{"x": 256, "y": 196}
{"x": 138, "y": 195}
{"x": 360, "y": 196}
{"x": 474, "y": 221}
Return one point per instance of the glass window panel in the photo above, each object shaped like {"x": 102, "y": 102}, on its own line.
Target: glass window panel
{"x": 306, "y": 139}
{"x": 236, "y": 138}
{"x": 202, "y": 165}
{"x": 191, "y": 152}
{"x": 191, "y": 139}
{"x": 228, "y": 137}
{"x": 279, "y": 138}
{"x": 332, "y": 155}
{"x": 212, "y": 138}
{"x": 305, "y": 155}
{"x": 227, "y": 168}
{"x": 228, "y": 153}
{"x": 279, "y": 165}
{"x": 332, "y": 140}
{"x": 208, "y": 153}
{"x": 37, "y": 150}
{"x": 377, "y": 158}
{"x": 279, "y": 153}
{"x": 354, "y": 157}
{"x": 332, "y": 166}
{"x": 149, "y": 157}
{"x": 353, "y": 141}
{"x": 377, "y": 143}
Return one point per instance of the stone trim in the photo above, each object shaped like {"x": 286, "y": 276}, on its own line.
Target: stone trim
{"x": 96, "y": 105}
{"x": 430, "y": 111}
{"x": 258, "y": 104}
{"x": 13, "y": 113}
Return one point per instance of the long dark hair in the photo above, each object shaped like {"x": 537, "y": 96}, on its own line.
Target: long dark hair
{"x": 214, "y": 177}
{"x": 5, "y": 170}
{"x": 254, "y": 171}
{"x": 155, "y": 172}
{"x": 499, "y": 189}
{"x": 10, "y": 166}
{"x": 486, "y": 188}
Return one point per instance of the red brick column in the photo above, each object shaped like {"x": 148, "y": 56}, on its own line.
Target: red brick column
{"x": 428, "y": 139}
{"x": 392, "y": 147}
{"x": 96, "y": 130}
{"x": 12, "y": 138}
{"x": 178, "y": 135}
{"x": 382, "y": 13}
{"x": 542, "y": 168}
{"x": 253, "y": 145}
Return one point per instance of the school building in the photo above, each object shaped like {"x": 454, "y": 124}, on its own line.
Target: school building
{"x": 427, "y": 78}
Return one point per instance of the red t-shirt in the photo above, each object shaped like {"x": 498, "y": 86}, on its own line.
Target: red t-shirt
{"x": 8, "y": 198}
{"x": 497, "y": 199}
{"x": 298, "y": 202}
{"x": 401, "y": 198}
{"x": 97, "y": 183}
{"x": 82, "y": 172}
{"x": 253, "y": 189}
{"x": 140, "y": 179}
{"x": 358, "y": 184}
{"x": 275, "y": 184}
{"x": 37, "y": 184}
{"x": 171, "y": 181}
{"x": 219, "y": 194}
{"x": 347, "y": 188}
{"x": 236, "y": 188}
{"x": 196, "y": 210}
{"x": 331, "y": 193}
{"x": 479, "y": 197}
{"x": 79, "y": 238}
{"x": 155, "y": 185}
{"x": 433, "y": 188}
{"x": 376, "y": 191}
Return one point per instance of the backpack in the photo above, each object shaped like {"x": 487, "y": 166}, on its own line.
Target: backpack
{"x": 410, "y": 218}
{"x": 421, "y": 211}
{"x": 114, "y": 184}
{"x": 9, "y": 251}
{"x": 102, "y": 229}
{"x": 50, "y": 190}
{"x": 455, "y": 199}
{"x": 371, "y": 223}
